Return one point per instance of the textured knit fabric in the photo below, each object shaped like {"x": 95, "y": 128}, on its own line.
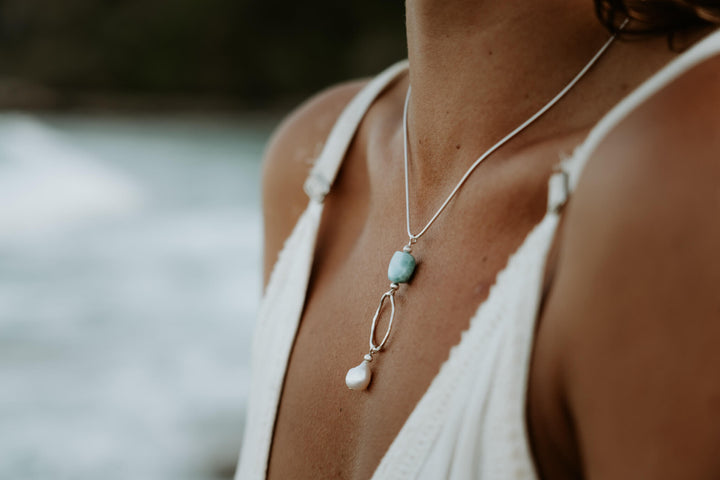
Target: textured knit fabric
{"x": 471, "y": 422}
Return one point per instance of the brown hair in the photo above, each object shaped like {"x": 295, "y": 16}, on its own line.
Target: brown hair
{"x": 657, "y": 16}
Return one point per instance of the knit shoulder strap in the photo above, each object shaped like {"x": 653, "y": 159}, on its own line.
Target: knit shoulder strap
{"x": 703, "y": 50}
{"x": 563, "y": 182}
{"x": 323, "y": 173}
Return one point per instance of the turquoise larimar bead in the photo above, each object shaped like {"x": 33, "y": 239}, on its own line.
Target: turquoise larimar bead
{"x": 401, "y": 268}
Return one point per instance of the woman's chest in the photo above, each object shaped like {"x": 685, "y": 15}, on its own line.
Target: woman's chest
{"x": 323, "y": 429}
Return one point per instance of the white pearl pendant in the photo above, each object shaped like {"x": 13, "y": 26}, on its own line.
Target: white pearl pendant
{"x": 358, "y": 378}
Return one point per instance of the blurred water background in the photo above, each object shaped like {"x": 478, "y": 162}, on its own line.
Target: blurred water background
{"x": 131, "y": 133}
{"x": 130, "y": 257}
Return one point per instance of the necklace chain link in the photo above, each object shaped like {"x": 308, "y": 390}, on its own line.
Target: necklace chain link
{"x": 402, "y": 265}
{"x": 491, "y": 150}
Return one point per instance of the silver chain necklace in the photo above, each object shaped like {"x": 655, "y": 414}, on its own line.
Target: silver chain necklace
{"x": 402, "y": 264}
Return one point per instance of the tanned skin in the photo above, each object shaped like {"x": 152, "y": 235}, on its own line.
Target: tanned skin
{"x": 623, "y": 381}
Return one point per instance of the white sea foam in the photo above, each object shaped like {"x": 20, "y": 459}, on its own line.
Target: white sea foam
{"x": 129, "y": 283}
{"x": 47, "y": 184}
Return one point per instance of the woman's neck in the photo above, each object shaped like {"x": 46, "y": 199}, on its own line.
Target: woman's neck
{"x": 478, "y": 68}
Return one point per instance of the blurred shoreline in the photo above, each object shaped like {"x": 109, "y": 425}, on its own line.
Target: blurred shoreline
{"x": 20, "y": 95}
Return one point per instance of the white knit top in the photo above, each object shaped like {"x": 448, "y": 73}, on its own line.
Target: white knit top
{"x": 471, "y": 421}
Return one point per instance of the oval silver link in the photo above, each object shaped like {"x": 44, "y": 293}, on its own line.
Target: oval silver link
{"x": 376, "y": 348}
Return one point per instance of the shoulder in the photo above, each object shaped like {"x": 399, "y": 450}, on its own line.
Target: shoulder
{"x": 664, "y": 157}
{"x": 635, "y": 302}
{"x": 289, "y": 155}
{"x": 661, "y": 162}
